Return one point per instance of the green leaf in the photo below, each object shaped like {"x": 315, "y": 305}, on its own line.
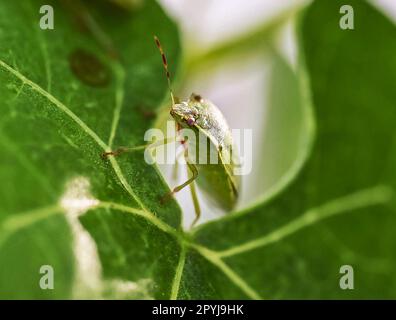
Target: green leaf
{"x": 68, "y": 95}
{"x": 334, "y": 207}
{"x": 339, "y": 209}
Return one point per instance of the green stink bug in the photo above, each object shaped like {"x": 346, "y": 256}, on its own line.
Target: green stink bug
{"x": 215, "y": 179}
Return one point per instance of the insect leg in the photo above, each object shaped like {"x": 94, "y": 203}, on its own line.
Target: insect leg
{"x": 122, "y": 150}
{"x": 176, "y": 167}
{"x": 195, "y": 200}
{"x": 194, "y": 172}
{"x": 197, "y": 208}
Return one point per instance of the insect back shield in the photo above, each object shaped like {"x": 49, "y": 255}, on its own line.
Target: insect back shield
{"x": 199, "y": 148}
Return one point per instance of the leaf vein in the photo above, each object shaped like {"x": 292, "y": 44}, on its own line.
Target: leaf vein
{"x": 81, "y": 123}
{"x": 19, "y": 221}
{"x": 213, "y": 257}
{"x": 360, "y": 199}
{"x": 178, "y": 273}
{"x": 142, "y": 213}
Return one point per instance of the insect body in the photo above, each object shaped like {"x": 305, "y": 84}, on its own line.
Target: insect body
{"x": 216, "y": 178}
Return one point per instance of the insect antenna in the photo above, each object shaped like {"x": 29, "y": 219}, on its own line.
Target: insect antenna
{"x": 165, "y": 64}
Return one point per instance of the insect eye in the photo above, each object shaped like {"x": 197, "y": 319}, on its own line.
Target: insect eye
{"x": 190, "y": 121}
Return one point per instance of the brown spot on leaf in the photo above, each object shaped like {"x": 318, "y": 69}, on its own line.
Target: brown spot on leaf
{"x": 197, "y": 97}
{"x": 145, "y": 112}
{"x": 88, "y": 68}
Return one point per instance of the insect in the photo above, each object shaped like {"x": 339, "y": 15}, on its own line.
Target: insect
{"x": 216, "y": 180}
